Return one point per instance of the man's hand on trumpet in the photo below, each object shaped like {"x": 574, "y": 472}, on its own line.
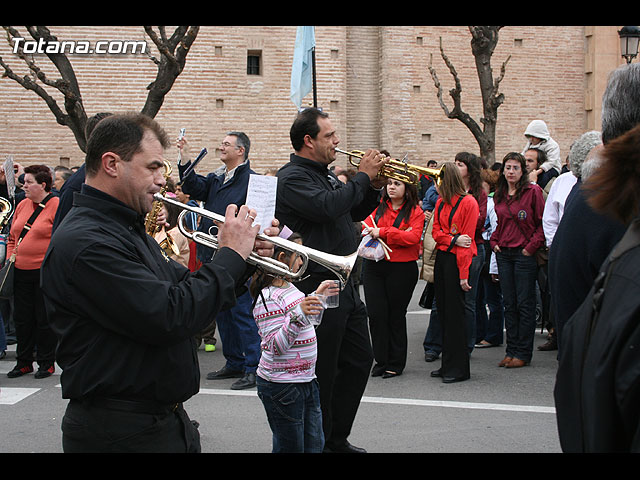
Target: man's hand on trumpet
{"x": 237, "y": 231}
{"x": 265, "y": 248}
{"x": 371, "y": 163}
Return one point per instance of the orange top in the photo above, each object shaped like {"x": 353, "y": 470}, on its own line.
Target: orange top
{"x": 35, "y": 243}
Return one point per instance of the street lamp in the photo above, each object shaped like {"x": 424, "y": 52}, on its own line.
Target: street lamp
{"x": 629, "y": 37}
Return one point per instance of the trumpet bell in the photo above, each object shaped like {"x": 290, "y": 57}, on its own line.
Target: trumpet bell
{"x": 398, "y": 169}
{"x": 340, "y": 266}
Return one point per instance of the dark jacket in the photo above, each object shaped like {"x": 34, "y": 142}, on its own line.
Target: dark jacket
{"x": 216, "y": 195}
{"x": 582, "y": 242}
{"x": 597, "y": 391}
{"x": 124, "y": 313}
{"x": 322, "y": 210}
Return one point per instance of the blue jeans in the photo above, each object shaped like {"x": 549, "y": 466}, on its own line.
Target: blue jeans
{"x": 518, "y": 282}
{"x": 239, "y": 335}
{"x": 294, "y": 414}
{"x": 489, "y": 327}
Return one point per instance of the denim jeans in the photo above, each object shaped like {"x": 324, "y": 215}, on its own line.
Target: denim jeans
{"x": 294, "y": 415}
{"x": 489, "y": 327}
{"x": 518, "y": 282}
{"x": 239, "y": 335}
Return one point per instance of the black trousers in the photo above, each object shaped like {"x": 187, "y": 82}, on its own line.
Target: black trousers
{"x": 343, "y": 365}
{"x": 450, "y": 304}
{"x": 89, "y": 428}
{"x": 33, "y": 333}
{"x": 388, "y": 288}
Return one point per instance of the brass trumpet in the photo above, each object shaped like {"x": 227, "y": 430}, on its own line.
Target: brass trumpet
{"x": 399, "y": 169}
{"x": 340, "y": 266}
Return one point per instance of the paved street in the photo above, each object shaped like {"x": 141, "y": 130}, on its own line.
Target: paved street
{"x": 497, "y": 410}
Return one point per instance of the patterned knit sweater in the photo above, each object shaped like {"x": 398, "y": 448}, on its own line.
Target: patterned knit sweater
{"x": 288, "y": 340}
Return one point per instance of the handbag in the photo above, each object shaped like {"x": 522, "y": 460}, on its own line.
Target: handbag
{"x": 7, "y": 271}
{"x": 542, "y": 254}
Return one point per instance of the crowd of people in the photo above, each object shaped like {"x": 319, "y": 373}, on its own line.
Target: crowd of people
{"x": 494, "y": 243}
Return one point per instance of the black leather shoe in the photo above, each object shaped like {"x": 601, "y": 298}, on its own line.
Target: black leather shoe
{"x": 430, "y": 357}
{"x": 454, "y": 379}
{"x": 224, "y": 372}
{"x": 436, "y": 373}
{"x": 377, "y": 371}
{"x": 390, "y": 374}
{"x": 345, "y": 448}
{"x": 248, "y": 381}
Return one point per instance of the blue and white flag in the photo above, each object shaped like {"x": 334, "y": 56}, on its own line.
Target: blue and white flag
{"x": 302, "y": 69}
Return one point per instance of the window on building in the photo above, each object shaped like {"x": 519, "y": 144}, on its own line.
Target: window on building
{"x": 254, "y": 62}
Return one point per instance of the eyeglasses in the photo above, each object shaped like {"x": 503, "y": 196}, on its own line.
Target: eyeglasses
{"x": 227, "y": 145}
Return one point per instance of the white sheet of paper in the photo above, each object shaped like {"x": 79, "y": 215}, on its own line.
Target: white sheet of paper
{"x": 261, "y": 196}
{"x": 10, "y": 178}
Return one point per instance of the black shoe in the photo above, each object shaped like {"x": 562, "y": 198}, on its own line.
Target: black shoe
{"x": 19, "y": 371}
{"x": 377, "y": 371}
{"x": 388, "y": 374}
{"x": 3, "y": 354}
{"x": 224, "y": 372}
{"x": 248, "y": 381}
{"x": 454, "y": 379}
{"x": 437, "y": 373}
{"x": 430, "y": 357}
{"x": 45, "y": 372}
{"x": 344, "y": 448}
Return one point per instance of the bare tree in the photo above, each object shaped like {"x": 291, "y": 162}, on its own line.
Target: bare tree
{"x": 172, "y": 50}
{"x": 483, "y": 43}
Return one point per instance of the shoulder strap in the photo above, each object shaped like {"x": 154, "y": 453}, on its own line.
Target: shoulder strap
{"x": 32, "y": 218}
{"x": 453, "y": 211}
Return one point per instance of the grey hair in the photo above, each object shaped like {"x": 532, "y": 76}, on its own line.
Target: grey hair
{"x": 621, "y": 102}
{"x": 242, "y": 140}
{"x": 592, "y": 162}
{"x": 581, "y": 148}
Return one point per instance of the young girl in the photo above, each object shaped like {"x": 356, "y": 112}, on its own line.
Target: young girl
{"x": 285, "y": 377}
{"x": 454, "y": 226}
{"x": 389, "y": 283}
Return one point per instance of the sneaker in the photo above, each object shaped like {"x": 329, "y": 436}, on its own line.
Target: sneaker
{"x": 208, "y": 347}
{"x": 45, "y": 372}
{"x": 19, "y": 371}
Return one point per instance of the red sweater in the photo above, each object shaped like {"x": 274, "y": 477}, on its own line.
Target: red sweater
{"x": 464, "y": 222}
{"x": 404, "y": 240}
{"x": 527, "y": 211}
{"x": 35, "y": 243}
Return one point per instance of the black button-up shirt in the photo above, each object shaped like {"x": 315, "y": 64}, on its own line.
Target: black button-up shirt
{"x": 312, "y": 201}
{"x": 124, "y": 313}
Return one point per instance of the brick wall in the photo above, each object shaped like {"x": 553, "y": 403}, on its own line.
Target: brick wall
{"x": 373, "y": 81}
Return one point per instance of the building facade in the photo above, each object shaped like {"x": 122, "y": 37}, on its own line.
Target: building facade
{"x": 374, "y": 82}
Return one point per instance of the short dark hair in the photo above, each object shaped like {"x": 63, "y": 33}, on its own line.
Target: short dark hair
{"x": 242, "y": 140}
{"x": 120, "y": 134}
{"x": 306, "y": 123}
{"x": 41, "y": 174}
{"x": 542, "y": 155}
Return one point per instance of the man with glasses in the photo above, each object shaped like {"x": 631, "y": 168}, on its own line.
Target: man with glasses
{"x": 227, "y": 185}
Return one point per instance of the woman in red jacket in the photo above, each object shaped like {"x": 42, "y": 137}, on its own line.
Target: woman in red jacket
{"x": 389, "y": 283}
{"x": 454, "y": 226}
{"x": 33, "y": 332}
{"x": 519, "y": 205}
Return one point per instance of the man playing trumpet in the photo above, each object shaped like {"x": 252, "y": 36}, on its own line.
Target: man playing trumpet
{"x": 311, "y": 200}
{"x": 125, "y": 315}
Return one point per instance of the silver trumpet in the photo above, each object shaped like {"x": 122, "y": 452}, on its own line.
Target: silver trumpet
{"x": 341, "y": 266}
